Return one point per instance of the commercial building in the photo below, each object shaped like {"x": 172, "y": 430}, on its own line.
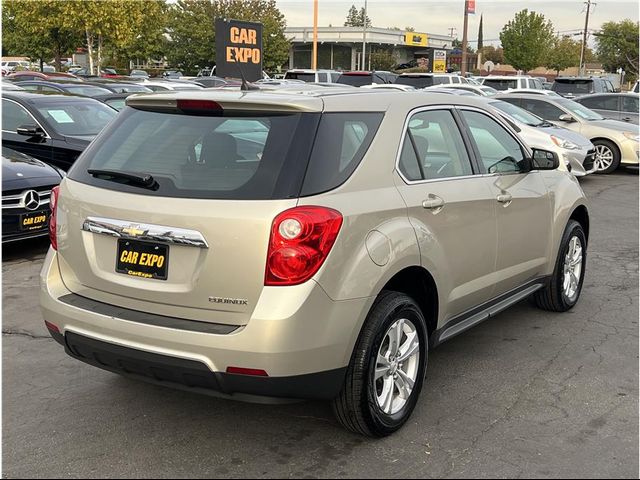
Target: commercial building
{"x": 340, "y": 48}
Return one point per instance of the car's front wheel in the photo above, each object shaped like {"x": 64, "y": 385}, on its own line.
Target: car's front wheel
{"x": 563, "y": 290}
{"x": 387, "y": 369}
{"x": 607, "y": 157}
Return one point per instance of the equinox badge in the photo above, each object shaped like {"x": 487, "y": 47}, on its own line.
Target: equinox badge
{"x": 229, "y": 301}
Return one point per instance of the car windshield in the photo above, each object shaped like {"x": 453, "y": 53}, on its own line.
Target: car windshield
{"x": 415, "y": 81}
{"x": 501, "y": 84}
{"x": 580, "y": 110}
{"x": 517, "y": 113}
{"x": 78, "y": 118}
{"x": 86, "y": 90}
{"x": 251, "y": 155}
{"x": 355, "y": 80}
{"x": 573, "y": 86}
{"x": 489, "y": 92}
{"x": 305, "y": 77}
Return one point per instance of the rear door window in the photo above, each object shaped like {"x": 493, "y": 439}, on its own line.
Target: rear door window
{"x": 602, "y": 102}
{"x": 630, "y": 104}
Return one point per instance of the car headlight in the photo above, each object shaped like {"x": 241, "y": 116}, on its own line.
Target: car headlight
{"x": 632, "y": 136}
{"x": 561, "y": 142}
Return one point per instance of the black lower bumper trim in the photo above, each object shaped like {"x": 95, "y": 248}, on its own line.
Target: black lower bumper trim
{"x": 195, "y": 376}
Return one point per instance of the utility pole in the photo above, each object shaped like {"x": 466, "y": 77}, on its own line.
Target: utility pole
{"x": 463, "y": 67}
{"x": 314, "y": 57}
{"x": 588, "y": 3}
{"x": 364, "y": 36}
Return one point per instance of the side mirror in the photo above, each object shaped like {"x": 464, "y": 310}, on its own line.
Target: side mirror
{"x": 544, "y": 160}
{"x": 30, "y": 131}
{"x": 566, "y": 118}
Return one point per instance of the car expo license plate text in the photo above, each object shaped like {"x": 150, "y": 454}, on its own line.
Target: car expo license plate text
{"x": 142, "y": 259}
{"x": 34, "y": 221}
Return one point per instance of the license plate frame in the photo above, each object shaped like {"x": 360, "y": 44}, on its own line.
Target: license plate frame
{"x": 132, "y": 258}
{"x": 32, "y": 227}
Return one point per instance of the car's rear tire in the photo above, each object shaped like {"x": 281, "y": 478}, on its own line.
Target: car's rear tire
{"x": 380, "y": 366}
{"x": 564, "y": 288}
{"x": 607, "y": 156}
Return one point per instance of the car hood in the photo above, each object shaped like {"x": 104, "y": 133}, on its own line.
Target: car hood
{"x": 21, "y": 171}
{"x": 567, "y": 134}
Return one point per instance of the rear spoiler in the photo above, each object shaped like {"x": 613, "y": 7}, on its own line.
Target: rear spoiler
{"x": 212, "y": 104}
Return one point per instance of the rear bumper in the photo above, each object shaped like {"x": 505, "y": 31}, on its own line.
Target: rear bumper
{"x": 195, "y": 376}
{"x": 298, "y": 335}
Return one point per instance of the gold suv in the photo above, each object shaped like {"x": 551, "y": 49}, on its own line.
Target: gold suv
{"x": 304, "y": 244}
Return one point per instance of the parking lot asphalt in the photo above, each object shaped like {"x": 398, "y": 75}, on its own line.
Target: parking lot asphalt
{"x": 526, "y": 394}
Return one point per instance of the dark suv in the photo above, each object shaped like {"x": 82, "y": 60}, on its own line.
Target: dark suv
{"x": 575, "y": 86}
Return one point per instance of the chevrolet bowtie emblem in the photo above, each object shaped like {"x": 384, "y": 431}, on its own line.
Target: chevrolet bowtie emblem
{"x": 132, "y": 230}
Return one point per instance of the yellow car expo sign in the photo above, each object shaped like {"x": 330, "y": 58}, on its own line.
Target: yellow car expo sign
{"x": 439, "y": 61}
{"x": 416, "y": 39}
{"x": 238, "y": 49}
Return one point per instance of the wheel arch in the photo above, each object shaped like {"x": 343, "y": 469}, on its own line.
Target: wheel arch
{"x": 610, "y": 140}
{"x": 581, "y": 215}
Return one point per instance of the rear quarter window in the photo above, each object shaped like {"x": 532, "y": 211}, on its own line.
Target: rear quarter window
{"x": 341, "y": 143}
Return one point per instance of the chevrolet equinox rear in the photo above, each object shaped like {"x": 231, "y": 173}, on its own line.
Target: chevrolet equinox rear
{"x": 303, "y": 245}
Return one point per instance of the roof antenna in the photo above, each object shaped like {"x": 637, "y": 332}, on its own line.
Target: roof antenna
{"x": 246, "y": 86}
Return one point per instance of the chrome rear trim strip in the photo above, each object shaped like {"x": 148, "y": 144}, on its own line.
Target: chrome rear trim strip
{"x": 144, "y": 231}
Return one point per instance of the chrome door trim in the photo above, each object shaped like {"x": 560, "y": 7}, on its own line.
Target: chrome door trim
{"x": 144, "y": 231}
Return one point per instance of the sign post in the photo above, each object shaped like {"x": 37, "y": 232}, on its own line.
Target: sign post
{"x": 238, "y": 49}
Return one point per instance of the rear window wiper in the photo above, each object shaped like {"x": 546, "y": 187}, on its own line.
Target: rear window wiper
{"x": 143, "y": 180}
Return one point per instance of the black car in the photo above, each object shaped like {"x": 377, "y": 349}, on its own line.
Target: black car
{"x": 358, "y": 79}
{"x": 26, "y": 189}
{"x": 120, "y": 86}
{"x": 575, "y": 86}
{"x": 52, "y": 128}
{"x": 76, "y": 88}
{"x": 114, "y": 100}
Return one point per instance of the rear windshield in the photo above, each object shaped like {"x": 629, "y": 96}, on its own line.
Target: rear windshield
{"x": 87, "y": 91}
{"x": 417, "y": 82}
{"x": 500, "y": 84}
{"x": 256, "y": 156}
{"x": 355, "y": 80}
{"x": 77, "y": 118}
{"x": 573, "y": 86}
{"x": 305, "y": 77}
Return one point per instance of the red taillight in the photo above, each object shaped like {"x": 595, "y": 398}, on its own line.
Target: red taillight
{"x": 301, "y": 239}
{"x": 51, "y": 327}
{"x": 199, "y": 106}
{"x": 253, "y": 372}
{"x": 53, "y": 218}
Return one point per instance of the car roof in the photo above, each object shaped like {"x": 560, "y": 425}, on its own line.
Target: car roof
{"x": 506, "y": 77}
{"x": 34, "y": 98}
{"x": 529, "y": 96}
{"x": 308, "y": 99}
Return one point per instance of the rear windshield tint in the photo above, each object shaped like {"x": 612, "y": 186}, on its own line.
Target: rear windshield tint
{"x": 573, "y": 86}
{"x": 501, "y": 84}
{"x": 355, "y": 80}
{"x": 305, "y": 77}
{"x": 256, "y": 156}
{"x": 417, "y": 82}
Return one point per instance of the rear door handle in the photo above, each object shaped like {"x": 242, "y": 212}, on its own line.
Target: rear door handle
{"x": 433, "y": 203}
{"x": 505, "y": 198}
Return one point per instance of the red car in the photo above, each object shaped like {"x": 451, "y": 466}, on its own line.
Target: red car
{"x": 29, "y": 75}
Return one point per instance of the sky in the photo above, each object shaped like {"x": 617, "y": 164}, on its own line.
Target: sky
{"x": 437, "y": 16}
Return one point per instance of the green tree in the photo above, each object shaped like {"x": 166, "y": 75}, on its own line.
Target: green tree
{"x": 409, "y": 29}
{"x": 526, "y": 40}
{"x": 192, "y": 34}
{"x": 617, "y": 46}
{"x": 480, "y": 36}
{"x": 35, "y": 30}
{"x": 356, "y": 18}
{"x": 492, "y": 54}
{"x": 564, "y": 53}
{"x": 457, "y": 45}
{"x": 382, "y": 60}
{"x": 352, "y": 17}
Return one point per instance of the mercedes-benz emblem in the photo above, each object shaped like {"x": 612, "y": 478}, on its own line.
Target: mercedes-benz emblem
{"x": 31, "y": 200}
